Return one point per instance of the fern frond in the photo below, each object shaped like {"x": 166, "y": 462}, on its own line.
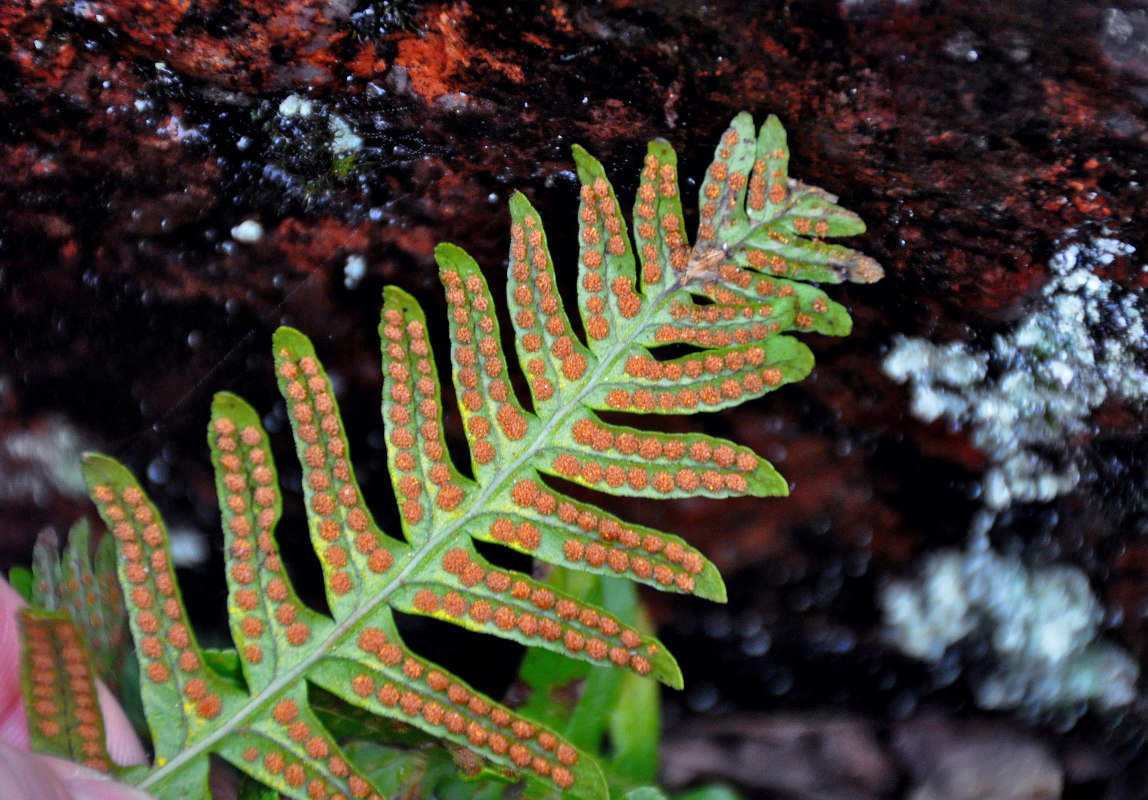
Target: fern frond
{"x": 84, "y": 585}
{"x": 730, "y": 299}
{"x": 58, "y": 684}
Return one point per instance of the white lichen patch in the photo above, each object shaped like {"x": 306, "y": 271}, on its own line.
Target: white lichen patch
{"x": 249, "y": 231}
{"x": 1026, "y": 403}
{"x": 40, "y": 462}
{"x": 189, "y": 546}
{"x": 354, "y": 270}
{"x": 1042, "y": 626}
{"x": 1028, "y": 400}
{"x": 294, "y": 105}
{"x": 342, "y": 139}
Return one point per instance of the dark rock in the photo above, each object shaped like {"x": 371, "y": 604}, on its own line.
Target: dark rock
{"x": 954, "y": 761}
{"x": 828, "y": 758}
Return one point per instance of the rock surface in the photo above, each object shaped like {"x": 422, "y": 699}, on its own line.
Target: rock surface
{"x": 976, "y": 760}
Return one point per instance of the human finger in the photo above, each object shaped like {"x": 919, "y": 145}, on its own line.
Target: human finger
{"x": 31, "y": 776}
{"x": 13, "y": 728}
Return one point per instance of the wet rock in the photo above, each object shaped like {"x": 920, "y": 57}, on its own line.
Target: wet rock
{"x": 952, "y": 761}
{"x": 246, "y": 45}
{"x": 812, "y": 758}
{"x": 1124, "y": 40}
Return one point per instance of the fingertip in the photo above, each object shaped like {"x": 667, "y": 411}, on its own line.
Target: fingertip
{"x": 13, "y": 731}
{"x": 99, "y": 789}
{"x": 123, "y": 745}
{"x": 82, "y": 783}
{"x": 14, "y": 724}
{"x": 24, "y": 777}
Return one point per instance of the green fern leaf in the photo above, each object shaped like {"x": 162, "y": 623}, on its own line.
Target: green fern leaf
{"x": 731, "y": 299}
{"x": 58, "y": 684}
{"x": 85, "y": 587}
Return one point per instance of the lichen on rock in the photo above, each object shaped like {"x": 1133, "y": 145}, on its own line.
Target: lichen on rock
{"x": 1027, "y": 404}
{"x": 1042, "y": 626}
{"x": 1025, "y": 401}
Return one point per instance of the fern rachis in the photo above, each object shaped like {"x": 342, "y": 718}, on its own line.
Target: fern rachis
{"x": 729, "y": 300}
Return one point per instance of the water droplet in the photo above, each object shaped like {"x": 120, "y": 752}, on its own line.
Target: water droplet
{"x": 702, "y": 697}
{"x": 158, "y": 471}
{"x": 757, "y": 645}
{"x": 780, "y": 682}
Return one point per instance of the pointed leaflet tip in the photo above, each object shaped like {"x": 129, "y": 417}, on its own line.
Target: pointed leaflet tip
{"x": 226, "y": 404}
{"x": 864, "y": 269}
{"x": 451, "y": 256}
{"x": 100, "y": 469}
{"x": 447, "y": 251}
{"x": 591, "y": 784}
{"x": 663, "y": 151}
{"x": 718, "y": 594}
{"x": 672, "y": 674}
{"x": 234, "y": 409}
{"x": 743, "y": 126}
{"x": 766, "y": 481}
{"x": 589, "y": 167}
{"x": 743, "y": 118}
{"x": 394, "y": 296}
{"x": 773, "y": 132}
{"x": 286, "y": 338}
{"x": 520, "y": 206}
